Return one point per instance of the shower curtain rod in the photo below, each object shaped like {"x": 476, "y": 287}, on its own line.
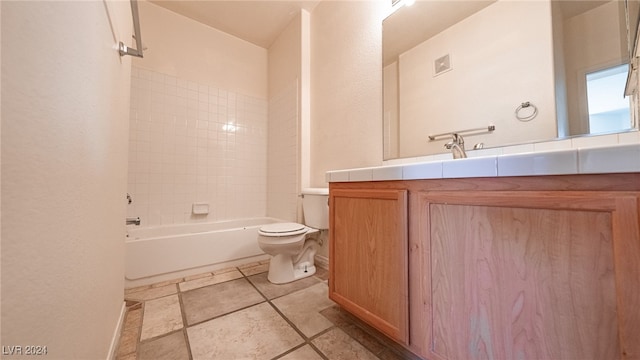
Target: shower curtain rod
{"x": 124, "y": 49}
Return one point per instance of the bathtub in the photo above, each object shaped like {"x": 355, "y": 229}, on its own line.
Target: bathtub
{"x": 172, "y": 251}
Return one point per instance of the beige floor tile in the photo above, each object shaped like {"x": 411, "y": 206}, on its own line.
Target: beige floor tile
{"x": 128, "y": 341}
{"x": 133, "y": 319}
{"x": 303, "y": 308}
{"x": 347, "y": 323}
{"x": 337, "y": 345}
{"x": 225, "y": 270}
{"x": 303, "y": 353}
{"x": 390, "y": 355}
{"x": 272, "y": 291}
{"x": 196, "y": 276}
{"x": 167, "y": 282}
{"x": 216, "y": 278}
{"x": 130, "y": 331}
{"x": 170, "y": 347}
{"x": 321, "y": 273}
{"x": 161, "y": 316}
{"x": 258, "y": 332}
{"x": 131, "y": 356}
{"x": 152, "y": 293}
{"x": 215, "y": 300}
{"x": 248, "y": 265}
{"x": 136, "y": 289}
{"x": 255, "y": 268}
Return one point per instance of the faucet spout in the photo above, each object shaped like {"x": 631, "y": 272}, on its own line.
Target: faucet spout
{"x": 456, "y": 145}
{"x": 133, "y": 221}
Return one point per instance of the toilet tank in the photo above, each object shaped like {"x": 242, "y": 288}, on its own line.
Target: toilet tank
{"x": 315, "y": 207}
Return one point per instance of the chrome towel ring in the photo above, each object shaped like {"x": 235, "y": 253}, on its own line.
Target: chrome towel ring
{"x": 525, "y": 117}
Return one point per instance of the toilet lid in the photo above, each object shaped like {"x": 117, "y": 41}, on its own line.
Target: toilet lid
{"x": 282, "y": 229}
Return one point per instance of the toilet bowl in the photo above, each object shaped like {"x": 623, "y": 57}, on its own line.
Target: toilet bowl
{"x": 293, "y": 246}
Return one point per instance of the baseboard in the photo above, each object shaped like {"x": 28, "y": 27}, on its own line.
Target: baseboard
{"x": 113, "y": 348}
{"x": 322, "y": 261}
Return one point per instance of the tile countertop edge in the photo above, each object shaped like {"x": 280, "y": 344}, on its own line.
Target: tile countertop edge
{"x": 591, "y": 160}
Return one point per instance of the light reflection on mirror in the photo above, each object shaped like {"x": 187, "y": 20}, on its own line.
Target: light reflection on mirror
{"x": 456, "y": 65}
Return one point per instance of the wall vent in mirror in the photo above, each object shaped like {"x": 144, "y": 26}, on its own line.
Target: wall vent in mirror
{"x": 442, "y": 65}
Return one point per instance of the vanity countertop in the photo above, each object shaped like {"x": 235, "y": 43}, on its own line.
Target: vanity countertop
{"x": 593, "y": 160}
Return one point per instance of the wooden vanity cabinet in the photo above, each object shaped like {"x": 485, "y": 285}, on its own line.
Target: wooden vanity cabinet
{"x": 505, "y": 268}
{"x": 368, "y": 273}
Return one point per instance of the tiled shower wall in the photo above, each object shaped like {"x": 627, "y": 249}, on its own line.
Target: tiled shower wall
{"x": 192, "y": 143}
{"x": 283, "y": 154}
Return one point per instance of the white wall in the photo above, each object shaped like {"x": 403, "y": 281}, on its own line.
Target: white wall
{"x": 192, "y": 81}
{"x": 65, "y": 98}
{"x": 390, "y": 120}
{"x": 483, "y": 87}
{"x": 284, "y": 123}
{"x": 346, "y": 86}
{"x": 186, "y": 49}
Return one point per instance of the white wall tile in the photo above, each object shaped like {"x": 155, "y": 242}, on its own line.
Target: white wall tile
{"x": 471, "y": 167}
{"x": 553, "y": 145}
{"x": 361, "y": 175}
{"x": 431, "y": 170}
{"x": 631, "y": 137}
{"x": 594, "y": 141}
{"x": 623, "y": 158}
{"x": 518, "y": 149}
{"x": 387, "y": 173}
{"x": 540, "y": 163}
{"x": 181, "y": 154}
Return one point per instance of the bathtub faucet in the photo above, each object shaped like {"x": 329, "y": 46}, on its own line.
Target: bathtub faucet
{"x": 133, "y": 221}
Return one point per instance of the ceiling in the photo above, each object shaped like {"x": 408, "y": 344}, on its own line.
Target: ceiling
{"x": 261, "y": 21}
{"x": 256, "y": 21}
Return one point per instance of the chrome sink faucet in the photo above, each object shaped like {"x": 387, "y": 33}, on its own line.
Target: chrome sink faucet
{"x": 456, "y": 145}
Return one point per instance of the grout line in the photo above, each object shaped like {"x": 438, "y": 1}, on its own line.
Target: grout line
{"x": 225, "y": 314}
{"x": 306, "y": 339}
{"x": 184, "y": 323}
{"x": 221, "y": 315}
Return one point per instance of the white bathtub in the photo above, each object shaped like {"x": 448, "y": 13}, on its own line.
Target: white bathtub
{"x": 168, "y": 251}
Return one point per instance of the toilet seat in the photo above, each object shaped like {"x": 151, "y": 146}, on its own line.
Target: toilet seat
{"x": 282, "y": 229}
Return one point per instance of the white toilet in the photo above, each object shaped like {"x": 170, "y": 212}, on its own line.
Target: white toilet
{"x": 293, "y": 246}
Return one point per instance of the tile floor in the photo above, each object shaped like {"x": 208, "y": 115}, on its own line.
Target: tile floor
{"x": 237, "y": 313}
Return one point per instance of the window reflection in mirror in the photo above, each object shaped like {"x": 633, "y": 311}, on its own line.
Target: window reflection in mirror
{"x": 609, "y": 109}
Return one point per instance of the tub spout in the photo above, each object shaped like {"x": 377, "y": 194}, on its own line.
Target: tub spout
{"x": 133, "y": 221}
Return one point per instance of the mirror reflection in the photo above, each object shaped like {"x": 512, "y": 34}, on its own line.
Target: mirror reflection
{"x": 532, "y": 70}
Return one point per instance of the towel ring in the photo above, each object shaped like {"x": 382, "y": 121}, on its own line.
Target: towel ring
{"x": 529, "y": 117}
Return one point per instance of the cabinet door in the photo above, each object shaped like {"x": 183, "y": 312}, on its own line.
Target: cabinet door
{"x": 530, "y": 275}
{"x": 368, "y": 257}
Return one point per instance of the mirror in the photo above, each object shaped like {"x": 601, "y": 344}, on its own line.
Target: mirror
{"x": 534, "y": 70}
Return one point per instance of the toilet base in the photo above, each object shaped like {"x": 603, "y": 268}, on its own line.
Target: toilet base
{"x": 282, "y": 269}
{"x": 299, "y": 272}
